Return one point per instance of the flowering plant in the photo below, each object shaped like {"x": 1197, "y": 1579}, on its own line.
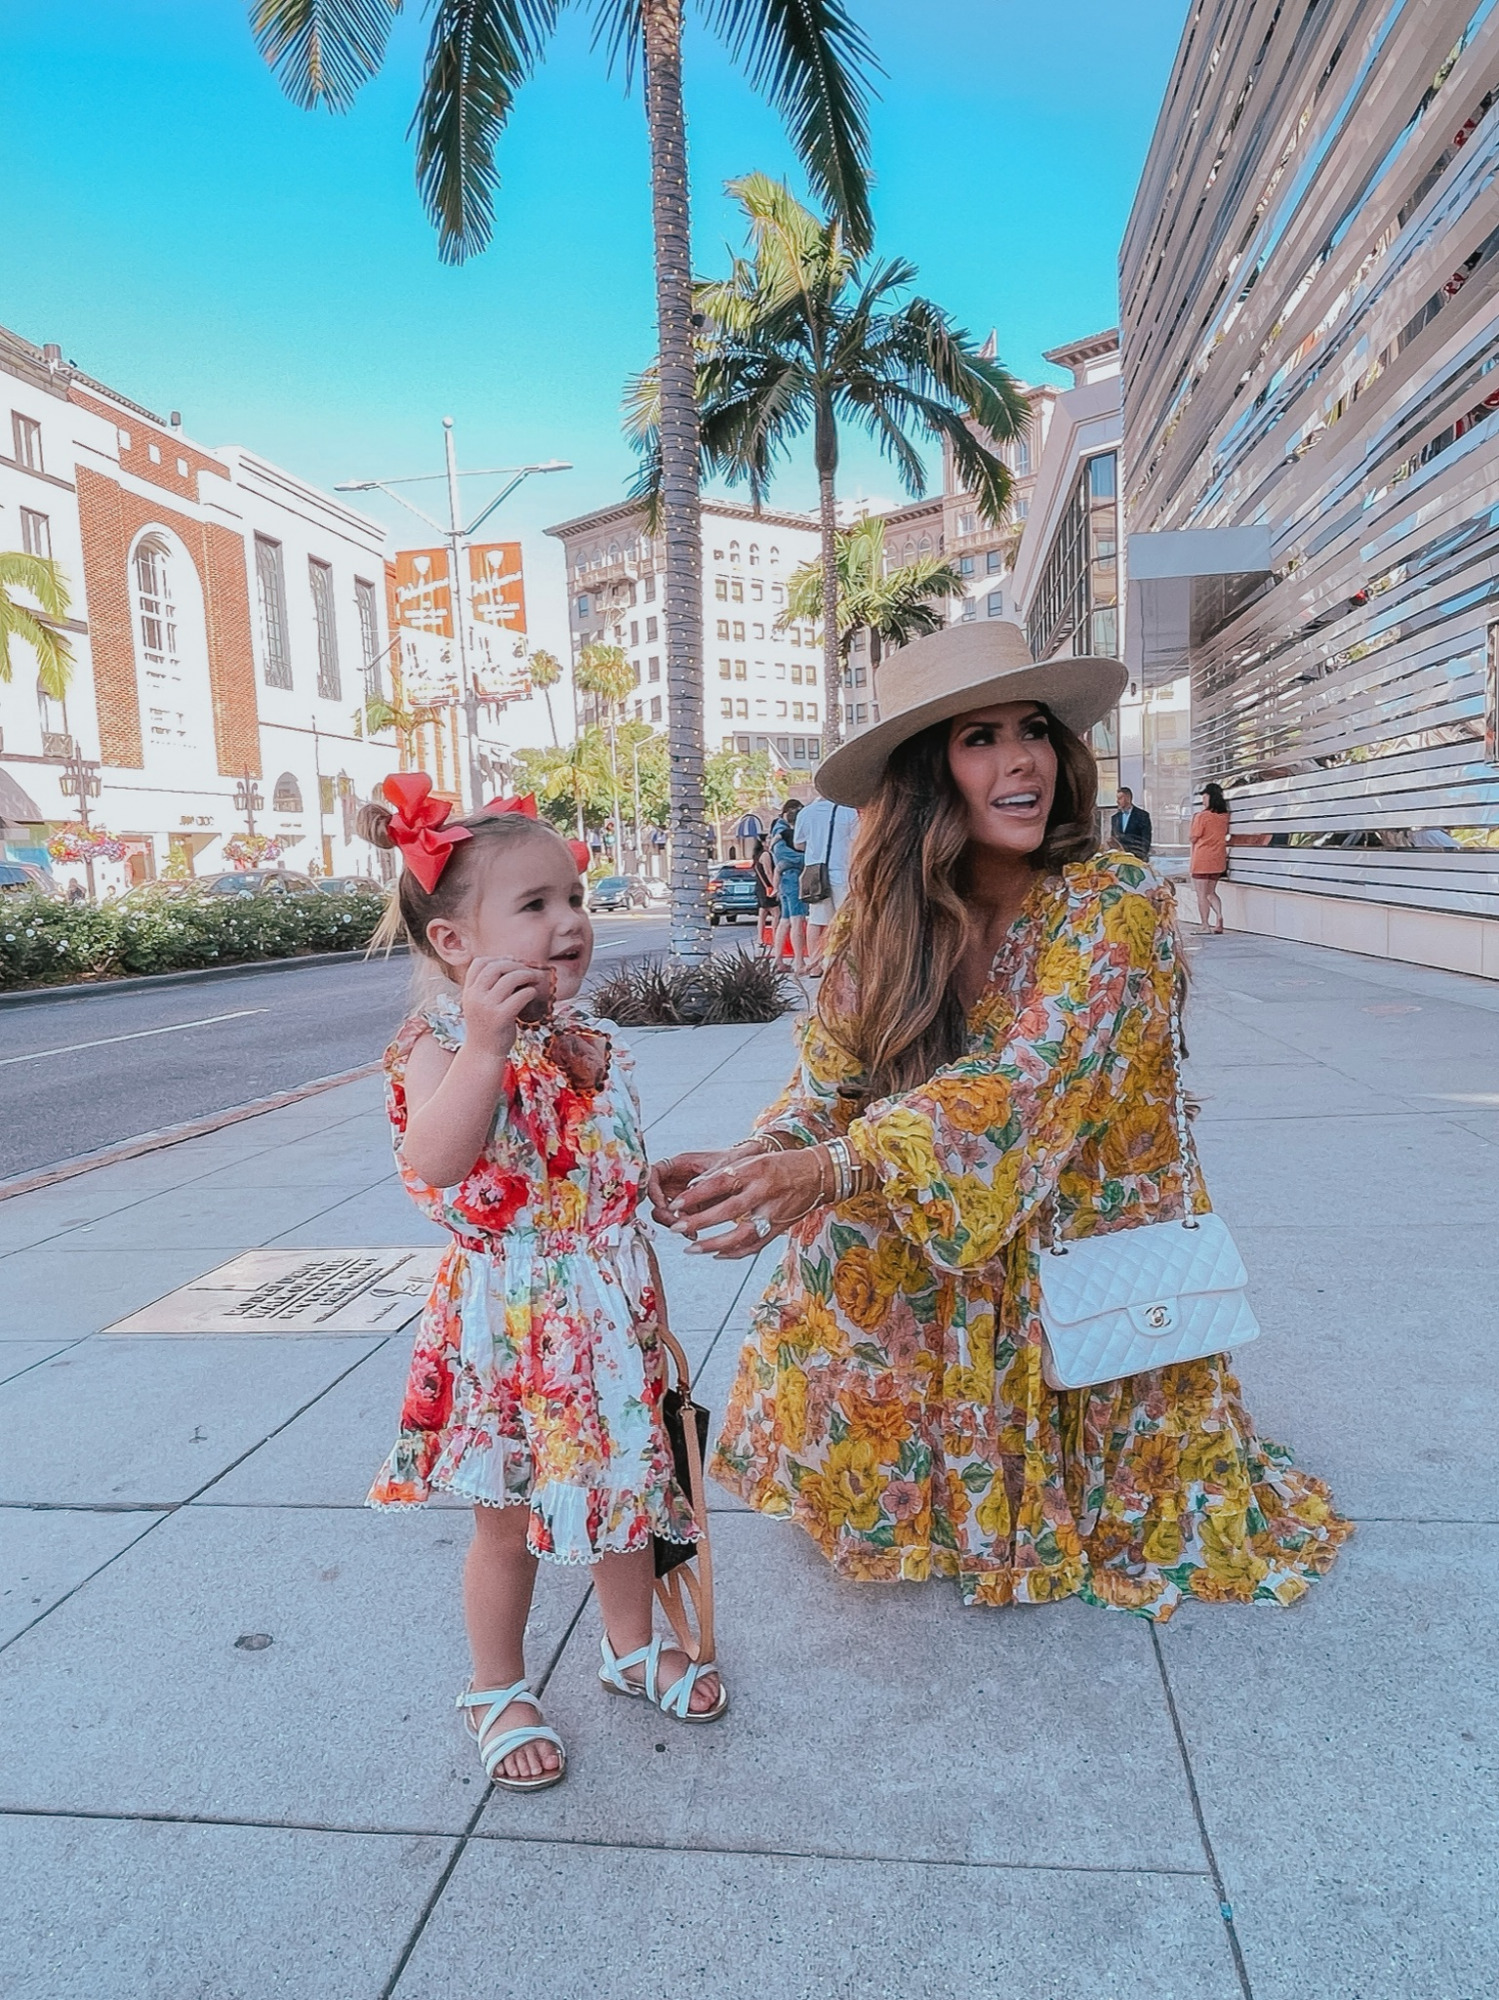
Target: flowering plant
{"x": 77, "y": 842}
{"x": 250, "y": 850}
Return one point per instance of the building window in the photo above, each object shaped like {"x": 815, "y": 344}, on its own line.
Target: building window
{"x": 721, "y": 588}
{"x": 369, "y": 637}
{"x": 270, "y": 593}
{"x": 992, "y": 561}
{"x": 777, "y": 593}
{"x": 1080, "y": 575}
{"x": 734, "y": 556}
{"x": 154, "y": 605}
{"x": 814, "y": 749}
{"x": 1023, "y": 456}
{"x": 1021, "y": 510}
{"x": 725, "y": 670}
{"x": 970, "y": 610}
{"x": 634, "y": 631}
{"x": 36, "y": 533}
{"x": 655, "y": 708}
{"x": 320, "y": 577}
{"x": 796, "y": 672}
{"x": 26, "y": 435}
{"x": 739, "y": 628}
{"x": 781, "y": 710}
{"x": 741, "y": 710}
{"x": 967, "y": 523}
{"x": 287, "y": 797}
{"x": 736, "y": 591}
{"x": 723, "y": 628}
{"x": 653, "y": 668}
{"x": 652, "y": 632}
{"x": 996, "y": 604}
{"x": 965, "y": 565}
{"x": 640, "y": 711}
{"x": 757, "y": 592}
{"x": 726, "y": 708}
{"x": 811, "y": 711}
{"x": 809, "y": 674}
{"x": 741, "y": 671}
{"x": 798, "y": 713}
{"x": 584, "y": 606}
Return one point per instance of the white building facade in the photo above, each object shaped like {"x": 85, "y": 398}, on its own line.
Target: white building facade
{"x": 228, "y": 622}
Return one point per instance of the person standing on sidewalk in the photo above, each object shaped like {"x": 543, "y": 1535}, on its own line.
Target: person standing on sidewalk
{"x": 535, "y": 1387}
{"x": 991, "y": 1061}
{"x": 825, "y": 835}
{"x": 1130, "y": 828}
{"x": 1209, "y": 864}
{"x": 788, "y": 858}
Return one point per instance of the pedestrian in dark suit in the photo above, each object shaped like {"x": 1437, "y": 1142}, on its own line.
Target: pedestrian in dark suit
{"x": 1130, "y": 827}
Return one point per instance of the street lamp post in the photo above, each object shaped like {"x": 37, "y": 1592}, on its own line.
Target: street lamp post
{"x": 635, "y": 760}
{"x": 457, "y": 535}
{"x": 79, "y": 779}
{"x": 248, "y": 800}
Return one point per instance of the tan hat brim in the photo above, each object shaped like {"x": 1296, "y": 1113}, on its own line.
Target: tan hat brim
{"x": 1079, "y": 692}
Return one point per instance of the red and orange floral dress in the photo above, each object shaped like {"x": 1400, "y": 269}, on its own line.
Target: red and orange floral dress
{"x": 533, "y": 1382}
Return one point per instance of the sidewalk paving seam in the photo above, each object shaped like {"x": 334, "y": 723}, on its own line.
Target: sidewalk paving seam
{"x": 1225, "y": 1907}
{"x": 522, "y": 1838}
{"x": 43, "y": 1359}
{"x": 439, "y": 1887}
{"x": 165, "y": 1513}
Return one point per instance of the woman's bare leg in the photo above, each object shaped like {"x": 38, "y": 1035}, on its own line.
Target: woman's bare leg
{"x": 1204, "y": 890}
{"x": 1214, "y": 905}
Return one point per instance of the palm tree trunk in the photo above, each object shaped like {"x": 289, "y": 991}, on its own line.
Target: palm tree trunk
{"x": 551, "y": 719}
{"x": 825, "y": 451}
{"x": 680, "y": 513}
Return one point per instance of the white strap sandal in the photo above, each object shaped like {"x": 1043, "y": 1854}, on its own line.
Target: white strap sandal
{"x": 677, "y": 1699}
{"x": 493, "y": 1750}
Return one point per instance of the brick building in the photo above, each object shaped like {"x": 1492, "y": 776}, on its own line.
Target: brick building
{"x": 228, "y": 623}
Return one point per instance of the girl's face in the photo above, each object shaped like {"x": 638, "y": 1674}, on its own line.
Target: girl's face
{"x": 525, "y": 903}
{"x": 1003, "y": 763}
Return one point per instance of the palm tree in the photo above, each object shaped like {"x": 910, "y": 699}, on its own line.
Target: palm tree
{"x": 43, "y": 581}
{"x": 604, "y": 671}
{"x": 807, "y": 332}
{"x": 546, "y": 671}
{"x": 577, "y": 775}
{"x": 892, "y": 605}
{"x": 807, "y": 57}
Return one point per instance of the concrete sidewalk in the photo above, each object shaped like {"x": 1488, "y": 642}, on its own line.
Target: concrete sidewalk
{"x": 906, "y": 1798}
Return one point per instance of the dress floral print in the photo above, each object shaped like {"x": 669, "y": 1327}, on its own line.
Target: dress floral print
{"x": 533, "y": 1382}
{"x": 890, "y": 1397}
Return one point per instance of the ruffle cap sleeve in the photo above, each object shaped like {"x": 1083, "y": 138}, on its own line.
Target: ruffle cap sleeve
{"x": 965, "y": 1160}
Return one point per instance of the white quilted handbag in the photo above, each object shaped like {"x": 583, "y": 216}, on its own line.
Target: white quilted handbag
{"x": 1136, "y": 1299}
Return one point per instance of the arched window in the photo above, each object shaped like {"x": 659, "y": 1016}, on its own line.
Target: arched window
{"x": 734, "y": 554}
{"x": 171, "y": 649}
{"x": 754, "y": 555}
{"x": 155, "y": 604}
{"x": 287, "y": 797}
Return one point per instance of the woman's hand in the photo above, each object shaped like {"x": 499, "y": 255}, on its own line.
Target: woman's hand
{"x": 496, "y": 993}
{"x": 779, "y": 1188}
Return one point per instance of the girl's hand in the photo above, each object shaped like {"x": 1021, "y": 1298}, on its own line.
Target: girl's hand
{"x": 668, "y": 1178}
{"x": 779, "y": 1188}
{"x": 496, "y": 992}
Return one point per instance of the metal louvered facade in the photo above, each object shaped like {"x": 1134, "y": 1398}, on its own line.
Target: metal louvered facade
{"x": 1311, "y": 350}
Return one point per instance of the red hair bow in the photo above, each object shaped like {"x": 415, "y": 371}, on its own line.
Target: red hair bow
{"x": 418, "y": 826}
{"x": 525, "y": 805}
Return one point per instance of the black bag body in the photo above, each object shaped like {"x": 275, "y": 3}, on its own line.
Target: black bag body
{"x": 674, "y": 1418}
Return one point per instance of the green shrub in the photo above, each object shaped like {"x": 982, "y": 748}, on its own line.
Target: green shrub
{"x": 734, "y": 987}
{"x": 43, "y": 943}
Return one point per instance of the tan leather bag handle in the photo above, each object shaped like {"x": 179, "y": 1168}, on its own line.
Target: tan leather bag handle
{"x": 686, "y": 1592}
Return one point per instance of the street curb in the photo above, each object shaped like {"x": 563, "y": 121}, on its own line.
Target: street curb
{"x": 30, "y": 996}
{"x": 173, "y": 1135}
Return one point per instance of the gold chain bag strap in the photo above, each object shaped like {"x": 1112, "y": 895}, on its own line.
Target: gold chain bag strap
{"x": 684, "y": 1570}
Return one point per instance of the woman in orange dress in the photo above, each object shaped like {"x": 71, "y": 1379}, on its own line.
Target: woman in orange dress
{"x": 1209, "y": 838}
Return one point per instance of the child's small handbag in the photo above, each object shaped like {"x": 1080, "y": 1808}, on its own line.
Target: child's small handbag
{"x": 684, "y": 1570}
{"x": 1136, "y": 1299}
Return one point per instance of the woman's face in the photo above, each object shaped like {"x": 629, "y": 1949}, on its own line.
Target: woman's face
{"x": 1003, "y": 763}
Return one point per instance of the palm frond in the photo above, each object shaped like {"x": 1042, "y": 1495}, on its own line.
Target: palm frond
{"x": 44, "y": 582}
{"x": 323, "y": 51}
{"x": 479, "y": 54}
{"x": 619, "y": 29}
{"x": 811, "y": 61}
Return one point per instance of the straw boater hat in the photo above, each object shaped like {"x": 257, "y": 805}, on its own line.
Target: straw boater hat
{"x": 963, "y": 667}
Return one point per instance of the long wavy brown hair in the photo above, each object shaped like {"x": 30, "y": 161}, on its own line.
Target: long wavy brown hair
{"x": 890, "y": 998}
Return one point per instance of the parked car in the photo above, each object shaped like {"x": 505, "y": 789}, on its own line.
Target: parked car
{"x": 627, "y": 892}
{"x": 731, "y": 892}
{"x": 260, "y": 882}
{"x": 24, "y": 878}
{"x": 176, "y": 889}
{"x": 349, "y": 885}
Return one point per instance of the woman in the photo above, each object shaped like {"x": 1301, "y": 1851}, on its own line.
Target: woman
{"x": 767, "y": 899}
{"x": 1209, "y": 837}
{"x": 990, "y": 1060}
{"x": 789, "y": 861}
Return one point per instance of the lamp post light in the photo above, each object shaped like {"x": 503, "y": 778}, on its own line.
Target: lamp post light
{"x": 79, "y": 779}
{"x": 248, "y": 800}
{"x": 457, "y": 535}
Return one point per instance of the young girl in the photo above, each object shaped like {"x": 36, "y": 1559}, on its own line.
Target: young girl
{"x": 535, "y": 1386}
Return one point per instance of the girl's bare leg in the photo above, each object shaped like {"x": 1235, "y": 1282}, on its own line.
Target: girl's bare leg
{"x": 498, "y": 1579}
{"x": 625, "y": 1586}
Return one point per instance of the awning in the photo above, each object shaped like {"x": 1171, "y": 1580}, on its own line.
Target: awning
{"x": 1184, "y": 584}
{"x": 17, "y": 806}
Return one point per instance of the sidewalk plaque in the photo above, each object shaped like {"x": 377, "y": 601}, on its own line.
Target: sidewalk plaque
{"x": 296, "y": 1291}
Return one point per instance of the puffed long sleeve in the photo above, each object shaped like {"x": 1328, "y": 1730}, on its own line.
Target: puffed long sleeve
{"x": 967, "y": 1158}
{"x": 814, "y": 1106}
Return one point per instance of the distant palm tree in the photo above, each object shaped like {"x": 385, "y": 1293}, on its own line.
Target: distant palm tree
{"x": 812, "y": 62}
{"x": 546, "y": 671}
{"x": 894, "y": 606}
{"x": 43, "y": 581}
{"x": 605, "y": 672}
{"x": 808, "y": 332}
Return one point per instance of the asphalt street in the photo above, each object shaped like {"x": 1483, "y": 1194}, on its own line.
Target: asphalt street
{"x": 90, "y": 1070}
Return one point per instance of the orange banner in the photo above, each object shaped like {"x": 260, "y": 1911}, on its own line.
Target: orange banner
{"x": 497, "y": 590}
{"x": 424, "y": 602}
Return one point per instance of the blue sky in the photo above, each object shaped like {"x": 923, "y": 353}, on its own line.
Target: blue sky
{"x": 189, "y": 236}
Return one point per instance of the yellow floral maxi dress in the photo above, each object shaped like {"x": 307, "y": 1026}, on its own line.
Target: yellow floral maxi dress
{"x": 890, "y": 1396}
